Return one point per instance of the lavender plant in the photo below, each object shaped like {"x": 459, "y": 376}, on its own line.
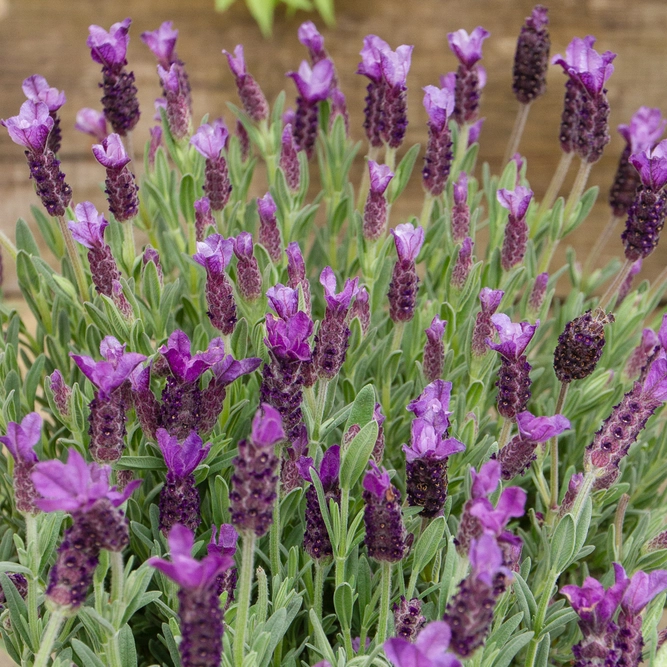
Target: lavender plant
{"x": 399, "y": 494}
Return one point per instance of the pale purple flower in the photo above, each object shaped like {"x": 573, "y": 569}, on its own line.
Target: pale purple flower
{"x": 490, "y": 299}
{"x": 314, "y": 84}
{"x": 584, "y": 63}
{"x": 288, "y": 339}
{"x": 436, "y": 330}
{"x": 642, "y": 589}
{"x": 645, "y": 129}
{"x": 426, "y": 443}
{"x": 468, "y": 48}
{"x": 371, "y": 57}
{"x": 515, "y": 201}
{"x": 284, "y": 300}
{"x": 89, "y": 227}
{"x": 439, "y": 105}
{"x": 224, "y": 541}
{"x": 395, "y": 65}
{"x": 36, "y": 89}
{"x": 486, "y": 559}
{"x": 486, "y": 481}
{"x": 22, "y": 438}
{"x": 310, "y": 37}
{"x": 31, "y": 127}
{"x": 267, "y": 427}
{"x": 214, "y": 253}
{"x": 337, "y": 301}
{"x": 652, "y": 165}
{"x": 475, "y": 130}
{"x": 376, "y": 480}
{"x": 380, "y": 175}
{"x": 183, "y": 364}
{"x": 162, "y": 43}
{"x": 92, "y": 122}
{"x": 461, "y": 189}
{"x": 109, "y": 48}
{"x": 433, "y": 405}
{"x": 266, "y": 206}
{"x": 540, "y": 429}
{"x": 511, "y": 505}
{"x": 428, "y": 650}
{"x": 514, "y": 336}
{"x": 111, "y": 153}
{"x": 408, "y": 241}
{"x": 182, "y": 458}
{"x": 210, "y": 139}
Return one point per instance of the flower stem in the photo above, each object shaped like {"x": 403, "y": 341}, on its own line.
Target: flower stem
{"x": 129, "y": 250}
{"x": 618, "y": 525}
{"x": 32, "y": 543}
{"x": 321, "y": 403}
{"x": 577, "y": 189}
{"x": 504, "y": 433}
{"x": 461, "y": 148}
{"x": 341, "y": 555}
{"x": 584, "y": 492}
{"x": 390, "y": 158}
{"x": 553, "y": 448}
{"x": 427, "y": 209}
{"x": 517, "y": 132}
{"x": 274, "y": 541}
{"x": 49, "y": 637}
{"x": 555, "y": 184}
{"x": 600, "y": 243}
{"x": 244, "y": 589}
{"x": 318, "y": 594}
{"x": 616, "y": 283}
{"x": 74, "y": 258}
{"x": 540, "y": 616}
{"x": 117, "y": 584}
{"x": 385, "y": 596}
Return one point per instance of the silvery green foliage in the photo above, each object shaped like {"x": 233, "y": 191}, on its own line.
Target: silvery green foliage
{"x": 303, "y": 611}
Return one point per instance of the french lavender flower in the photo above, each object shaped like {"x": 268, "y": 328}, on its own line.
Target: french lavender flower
{"x": 432, "y": 405}
{"x": 580, "y": 346}
{"x": 61, "y": 393}
{"x": 468, "y": 49}
{"x": 370, "y": 67}
{"x": 570, "y": 496}
{"x": 146, "y": 405}
{"x": 531, "y": 58}
{"x": 439, "y": 105}
{"x": 36, "y": 89}
{"x": 378, "y": 449}
{"x": 516, "y": 456}
{"x": 537, "y": 294}
{"x": 108, "y": 408}
{"x": 223, "y": 543}
{"x": 476, "y": 128}
{"x": 386, "y": 538}
{"x": 644, "y": 131}
{"x": 428, "y": 650}
{"x": 244, "y": 140}
{"x": 121, "y": 188}
{"x": 490, "y": 300}
{"x": 214, "y": 253}
{"x": 248, "y": 275}
{"x": 333, "y": 336}
{"x": 626, "y": 286}
{"x": 584, "y": 122}
{"x": 209, "y": 140}
{"x": 408, "y": 618}
{"x": 269, "y": 233}
{"x": 316, "y": 541}
{"x": 20, "y": 441}
{"x": 426, "y": 467}
{"x": 375, "y": 209}
{"x": 513, "y": 376}
{"x": 289, "y": 159}
{"x": 626, "y": 422}
{"x": 434, "y": 350}
{"x": 516, "y": 231}
{"x": 179, "y": 498}
{"x": 198, "y": 601}
{"x": 463, "y": 263}
{"x": 203, "y": 218}
{"x": 646, "y": 215}
{"x": 92, "y": 122}
{"x": 88, "y": 230}
{"x": 460, "y": 210}
{"x": 252, "y": 98}
{"x": 109, "y": 49}
{"x": 254, "y": 481}
{"x": 404, "y": 280}
{"x": 296, "y": 272}
{"x": 642, "y": 353}
{"x": 31, "y": 129}
{"x": 82, "y": 489}
{"x": 314, "y": 86}
{"x": 470, "y": 612}
{"x": 179, "y": 115}
{"x": 150, "y": 254}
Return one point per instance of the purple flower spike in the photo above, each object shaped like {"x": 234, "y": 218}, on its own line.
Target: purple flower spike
{"x": 203, "y": 217}
{"x": 361, "y": 309}
{"x": 37, "y": 89}
{"x": 121, "y": 188}
{"x": 182, "y": 458}
{"x": 162, "y": 43}
{"x": 224, "y": 544}
{"x": 61, "y": 393}
{"x": 585, "y": 63}
{"x": 404, "y": 282}
{"x": 486, "y": 481}
{"x": 490, "y": 300}
{"x": 182, "y": 364}
{"x": 460, "y": 210}
{"x": 178, "y": 101}
{"x": 434, "y": 350}
{"x": 645, "y": 129}
{"x": 289, "y": 160}
{"x": 31, "y": 127}
{"x": 426, "y": 443}
{"x": 433, "y": 405}
{"x": 468, "y": 48}
{"x": 541, "y": 429}
{"x": 439, "y": 104}
{"x": 516, "y": 232}
{"x": 642, "y": 353}
{"x": 514, "y": 337}
{"x": 429, "y": 648}
{"x": 109, "y": 48}
{"x": 310, "y": 37}
{"x": 337, "y": 301}
{"x": 515, "y": 201}
{"x": 284, "y": 300}
{"x": 296, "y": 272}
{"x": 252, "y": 98}
{"x": 209, "y": 140}
{"x": 537, "y": 294}
{"x": 111, "y": 153}
{"x": 531, "y": 58}
{"x": 269, "y": 233}
{"x": 375, "y": 209}
{"x": 463, "y": 264}
{"x": 248, "y": 276}
{"x": 89, "y": 228}
{"x": 92, "y": 122}
{"x": 651, "y": 164}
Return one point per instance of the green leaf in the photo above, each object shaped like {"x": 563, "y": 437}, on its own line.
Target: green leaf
{"x": 428, "y": 543}
{"x": 586, "y": 204}
{"x": 362, "y": 408}
{"x": 223, "y": 5}
{"x": 343, "y": 604}
{"x": 262, "y": 12}
{"x": 24, "y": 238}
{"x": 402, "y": 174}
{"x": 128, "y": 651}
{"x": 357, "y": 454}
{"x": 86, "y": 654}
{"x": 187, "y": 196}
{"x": 32, "y": 380}
{"x": 562, "y": 543}
{"x": 510, "y": 649}
{"x": 326, "y": 10}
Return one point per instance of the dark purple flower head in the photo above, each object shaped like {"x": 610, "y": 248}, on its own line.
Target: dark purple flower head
{"x": 511, "y": 505}
{"x": 486, "y": 559}
{"x": 380, "y": 175}
{"x": 490, "y": 299}
{"x": 182, "y": 458}
{"x": 515, "y": 201}
{"x": 395, "y": 65}
{"x": 428, "y": 650}
{"x": 109, "y": 48}
{"x": 223, "y": 542}
{"x": 92, "y": 122}
{"x": 181, "y": 362}
{"x": 461, "y": 189}
{"x": 267, "y": 426}
{"x": 89, "y": 228}
{"x": 376, "y": 480}
{"x": 436, "y": 331}
{"x": 642, "y": 589}
{"x": 310, "y": 37}
{"x": 284, "y": 300}
{"x": 468, "y": 48}
{"x": 21, "y": 438}
{"x": 36, "y": 89}
{"x": 540, "y": 429}
{"x": 76, "y": 485}
{"x": 584, "y": 63}
{"x": 432, "y": 405}
{"x": 162, "y": 42}
{"x": 426, "y": 443}
{"x": 337, "y": 301}
{"x": 288, "y": 338}
{"x": 439, "y": 105}
{"x": 214, "y": 253}
{"x": 645, "y": 129}
{"x": 371, "y": 57}
{"x": 109, "y": 374}
{"x": 514, "y": 336}
{"x": 486, "y": 481}
{"x": 243, "y": 245}
{"x": 329, "y": 467}
{"x": 652, "y": 166}
{"x": 31, "y": 127}
{"x": 408, "y": 241}
{"x": 187, "y": 572}
{"x": 111, "y": 152}
{"x": 296, "y": 266}
{"x": 210, "y": 139}
{"x": 314, "y": 84}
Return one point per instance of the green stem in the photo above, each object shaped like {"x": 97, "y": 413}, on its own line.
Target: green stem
{"x": 600, "y": 243}
{"x": 113, "y": 652}
{"x": 390, "y": 158}
{"x": 74, "y": 258}
{"x": 321, "y": 403}
{"x": 616, "y": 283}
{"x": 318, "y": 594}
{"x": 49, "y": 637}
{"x": 8, "y": 245}
{"x": 618, "y": 525}
{"x": 504, "y": 433}
{"x": 385, "y": 596}
{"x": 274, "y": 541}
{"x": 341, "y": 556}
{"x": 553, "y": 446}
{"x": 244, "y": 590}
{"x": 517, "y": 132}
{"x": 540, "y": 616}
{"x": 584, "y": 492}
{"x": 399, "y": 327}
{"x": 555, "y": 185}
{"x": 577, "y": 189}
{"x": 262, "y": 596}
{"x": 427, "y": 209}
{"x": 461, "y": 148}
{"x": 117, "y": 585}
{"x": 32, "y": 544}
{"x": 129, "y": 250}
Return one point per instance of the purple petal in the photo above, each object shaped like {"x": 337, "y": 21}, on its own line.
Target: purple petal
{"x": 377, "y": 480}
{"x": 31, "y": 127}
{"x": 314, "y": 84}
{"x": 284, "y": 300}
{"x": 109, "y": 48}
{"x": 514, "y": 336}
{"x": 439, "y": 105}
{"x": 236, "y": 61}
{"x": 267, "y": 426}
{"x": 162, "y": 42}
{"x": 486, "y": 481}
{"x": 111, "y": 152}
{"x": 515, "y": 201}
{"x": 209, "y": 140}
{"x": 652, "y": 165}
{"x": 380, "y": 175}
{"x": 90, "y": 121}
{"x": 468, "y": 48}
{"x": 408, "y": 241}
{"x": 371, "y": 56}
{"x": 540, "y": 429}
{"x": 37, "y": 89}
{"x": 642, "y": 589}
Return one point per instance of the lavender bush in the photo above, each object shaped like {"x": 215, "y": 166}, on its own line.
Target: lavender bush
{"x": 292, "y": 430}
